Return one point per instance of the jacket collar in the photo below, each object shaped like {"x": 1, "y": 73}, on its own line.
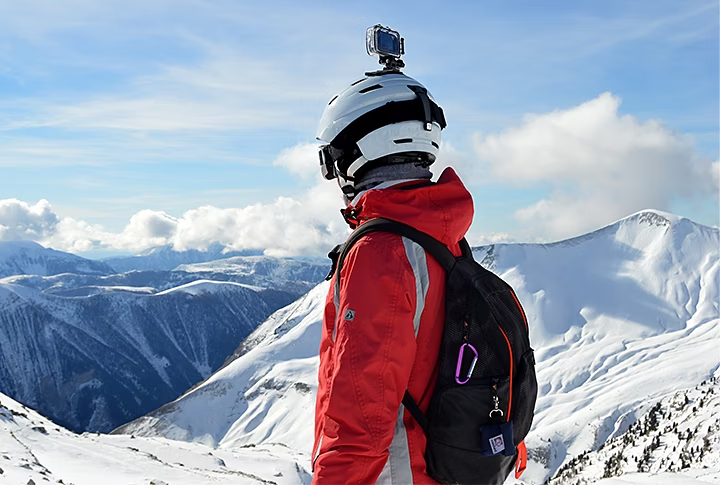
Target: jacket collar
{"x": 443, "y": 209}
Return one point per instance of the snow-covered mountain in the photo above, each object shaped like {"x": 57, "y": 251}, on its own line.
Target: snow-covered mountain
{"x": 279, "y": 281}
{"x": 620, "y": 318}
{"x": 294, "y": 275}
{"x": 95, "y": 362}
{"x": 678, "y": 434}
{"x": 26, "y": 257}
{"x": 92, "y": 349}
{"x": 166, "y": 258}
{"x": 34, "y": 450}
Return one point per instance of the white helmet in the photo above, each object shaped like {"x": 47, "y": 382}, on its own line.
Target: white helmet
{"x": 379, "y": 120}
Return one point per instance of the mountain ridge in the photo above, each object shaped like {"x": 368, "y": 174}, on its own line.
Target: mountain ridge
{"x": 93, "y": 362}
{"x": 27, "y": 257}
{"x": 165, "y": 258}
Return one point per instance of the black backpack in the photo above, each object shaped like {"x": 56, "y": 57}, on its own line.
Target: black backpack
{"x": 484, "y": 399}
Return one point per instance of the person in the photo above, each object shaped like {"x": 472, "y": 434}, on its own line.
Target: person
{"x": 384, "y": 314}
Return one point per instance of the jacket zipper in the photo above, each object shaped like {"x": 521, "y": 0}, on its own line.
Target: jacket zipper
{"x": 317, "y": 452}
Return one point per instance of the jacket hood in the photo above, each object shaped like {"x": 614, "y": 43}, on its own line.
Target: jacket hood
{"x": 444, "y": 209}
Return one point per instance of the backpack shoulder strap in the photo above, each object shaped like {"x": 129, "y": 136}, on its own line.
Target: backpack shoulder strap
{"x": 436, "y": 249}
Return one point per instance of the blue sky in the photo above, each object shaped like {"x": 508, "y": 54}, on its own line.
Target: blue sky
{"x": 126, "y": 117}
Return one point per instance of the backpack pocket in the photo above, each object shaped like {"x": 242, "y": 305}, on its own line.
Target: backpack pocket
{"x": 469, "y": 437}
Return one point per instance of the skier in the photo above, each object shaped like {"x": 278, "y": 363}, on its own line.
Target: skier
{"x": 384, "y": 314}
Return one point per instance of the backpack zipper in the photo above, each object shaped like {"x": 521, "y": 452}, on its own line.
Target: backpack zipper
{"x": 510, "y": 394}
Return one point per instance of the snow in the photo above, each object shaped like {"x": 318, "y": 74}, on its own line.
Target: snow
{"x": 277, "y": 267}
{"x": 619, "y": 319}
{"x": 199, "y": 287}
{"x": 26, "y": 257}
{"x": 679, "y": 434}
{"x": 652, "y": 479}
{"x": 34, "y": 448}
{"x": 166, "y": 258}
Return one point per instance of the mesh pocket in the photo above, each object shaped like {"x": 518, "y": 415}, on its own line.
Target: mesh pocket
{"x": 459, "y": 413}
{"x": 451, "y": 465}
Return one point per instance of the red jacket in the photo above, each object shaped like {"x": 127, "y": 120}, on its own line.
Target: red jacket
{"x": 389, "y": 341}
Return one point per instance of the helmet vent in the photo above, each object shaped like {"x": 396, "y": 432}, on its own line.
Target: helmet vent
{"x": 331, "y": 101}
{"x": 358, "y": 81}
{"x": 400, "y": 141}
{"x": 435, "y": 145}
{"x": 370, "y": 88}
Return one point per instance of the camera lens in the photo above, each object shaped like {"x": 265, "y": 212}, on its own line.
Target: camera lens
{"x": 388, "y": 44}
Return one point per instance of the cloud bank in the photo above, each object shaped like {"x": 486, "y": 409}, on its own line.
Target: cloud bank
{"x": 307, "y": 225}
{"x": 599, "y": 165}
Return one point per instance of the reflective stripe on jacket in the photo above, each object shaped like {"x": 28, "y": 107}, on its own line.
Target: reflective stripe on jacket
{"x": 382, "y": 328}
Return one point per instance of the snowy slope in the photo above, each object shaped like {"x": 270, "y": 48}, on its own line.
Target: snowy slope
{"x": 25, "y": 257}
{"x": 95, "y": 362}
{"x": 619, "y": 318}
{"x": 265, "y": 395}
{"x": 636, "y": 319}
{"x": 679, "y": 434}
{"x": 35, "y": 450}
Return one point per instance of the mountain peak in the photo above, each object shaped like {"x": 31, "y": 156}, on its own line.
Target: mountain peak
{"x": 653, "y": 217}
{"x": 28, "y": 257}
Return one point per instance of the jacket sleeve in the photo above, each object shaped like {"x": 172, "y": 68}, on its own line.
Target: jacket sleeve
{"x": 374, "y": 355}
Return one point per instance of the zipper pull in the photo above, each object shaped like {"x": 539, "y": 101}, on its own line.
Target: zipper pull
{"x": 496, "y": 414}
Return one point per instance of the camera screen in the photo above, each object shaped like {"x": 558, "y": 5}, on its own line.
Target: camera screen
{"x": 388, "y": 43}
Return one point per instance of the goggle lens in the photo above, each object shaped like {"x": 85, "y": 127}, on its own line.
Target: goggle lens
{"x": 327, "y": 163}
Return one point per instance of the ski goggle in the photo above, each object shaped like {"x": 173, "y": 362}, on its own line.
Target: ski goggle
{"x": 327, "y": 161}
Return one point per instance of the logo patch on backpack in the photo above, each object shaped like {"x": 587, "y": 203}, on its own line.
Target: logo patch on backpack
{"x": 497, "y": 444}
{"x": 349, "y": 315}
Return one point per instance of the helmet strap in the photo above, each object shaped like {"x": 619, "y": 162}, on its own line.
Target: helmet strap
{"x": 421, "y": 93}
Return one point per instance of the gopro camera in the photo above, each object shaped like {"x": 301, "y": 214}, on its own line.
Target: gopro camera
{"x": 387, "y": 44}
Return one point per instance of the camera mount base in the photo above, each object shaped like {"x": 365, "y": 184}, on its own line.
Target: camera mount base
{"x": 392, "y": 65}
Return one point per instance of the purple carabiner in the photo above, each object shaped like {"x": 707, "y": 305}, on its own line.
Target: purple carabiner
{"x": 459, "y": 364}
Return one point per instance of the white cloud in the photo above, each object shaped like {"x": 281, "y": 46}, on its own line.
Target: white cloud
{"x": 601, "y": 166}
{"x": 78, "y": 236}
{"x": 307, "y": 225}
{"x": 147, "y": 229}
{"x": 302, "y": 160}
{"x": 20, "y": 220}
{"x": 463, "y": 163}
{"x": 287, "y": 226}
{"x": 485, "y": 238}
